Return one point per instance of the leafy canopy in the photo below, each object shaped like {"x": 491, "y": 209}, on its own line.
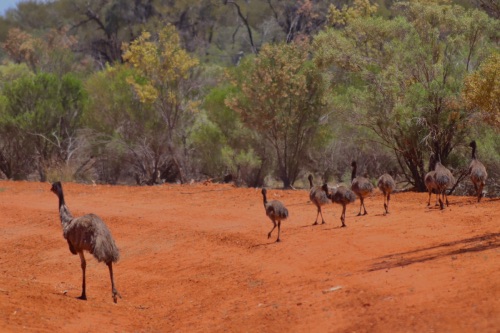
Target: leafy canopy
{"x": 482, "y": 90}
{"x": 282, "y": 96}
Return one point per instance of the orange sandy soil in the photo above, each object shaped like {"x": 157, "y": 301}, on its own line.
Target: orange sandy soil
{"x": 196, "y": 258}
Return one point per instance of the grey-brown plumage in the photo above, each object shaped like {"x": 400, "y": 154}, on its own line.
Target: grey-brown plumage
{"x": 361, "y": 186}
{"x": 318, "y": 198}
{"x": 87, "y": 233}
{"x": 387, "y": 185}
{"x": 444, "y": 179}
{"x": 430, "y": 183}
{"x": 340, "y": 195}
{"x": 477, "y": 172}
{"x": 276, "y": 211}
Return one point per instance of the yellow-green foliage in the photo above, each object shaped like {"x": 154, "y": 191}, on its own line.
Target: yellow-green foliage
{"x": 161, "y": 64}
{"x": 359, "y": 9}
{"x": 482, "y": 90}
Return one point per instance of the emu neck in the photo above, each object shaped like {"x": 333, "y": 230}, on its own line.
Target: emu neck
{"x": 264, "y": 198}
{"x": 473, "y": 152}
{"x": 61, "y": 200}
{"x": 353, "y": 174}
{"x": 310, "y": 183}
{"x": 64, "y": 212}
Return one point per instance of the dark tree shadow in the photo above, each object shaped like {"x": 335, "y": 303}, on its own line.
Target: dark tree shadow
{"x": 474, "y": 244}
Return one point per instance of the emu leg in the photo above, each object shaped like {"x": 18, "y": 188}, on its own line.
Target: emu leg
{"x": 387, "y": 206}
{"x": 269, "y": 234}
{"x": 317, "y": 214}
{"x": 114, "y": 292}
{"x": 480, "y": 192}
{"x": 322, "y": 219}
{"x": 84, "y": 265}
{"x": 441, "y": 204}
{"x": 279, "y": 229}
{"x": 342, "y": 217}
{"x": 360, "y": 205}
{"x": 364, "y": 208}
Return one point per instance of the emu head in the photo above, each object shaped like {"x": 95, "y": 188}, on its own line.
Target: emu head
{"x": 473, "y": 144}
{"x": 310, "y": 177}
{"x": 56, "y": 188}
{"x": 353, "y": 164}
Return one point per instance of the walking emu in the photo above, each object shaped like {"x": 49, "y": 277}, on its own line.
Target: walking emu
{"x": 276, "y": 211}
{"x": 430, "y": 183}
{"x": 477, "y": 173}
{"x": 318, "y": 197}
{"x": 341, "y": 195}
{"x": 87, "y": 233}
{"x": 444, "y": 179}
{"x": 387, "y": 185}
{"x": 361, "y": 186}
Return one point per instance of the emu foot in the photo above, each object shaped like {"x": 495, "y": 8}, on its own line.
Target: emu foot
{"x": 441, "y": 205}
{"x": 315, "y": 223}
{"x": 116, "y": 293}
{"x": 278, "y": 240}
{"x": 268, "y": 235}
{"x": 83, "y": 297}
{"x": 323, "y": 222}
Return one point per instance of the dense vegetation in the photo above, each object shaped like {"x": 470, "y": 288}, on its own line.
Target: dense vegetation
{"x": 258, "y": 92}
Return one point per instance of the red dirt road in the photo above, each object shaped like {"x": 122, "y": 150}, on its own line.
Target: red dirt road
{"x": 196, "y": 258}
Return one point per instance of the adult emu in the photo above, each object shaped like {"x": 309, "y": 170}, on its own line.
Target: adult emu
{"x": 318, "y": 198}
{"x": 444, "y": 179}
{"x": 341, "y": 195}
{"x": 387, "y": 185}
{"x": 361, "y": 186}
{"x": 477, "y": 172}
{"x": 430, "y": 183}
{"x": 87, "y": 233}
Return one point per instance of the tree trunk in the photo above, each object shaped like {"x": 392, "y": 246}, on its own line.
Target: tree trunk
{"x": 175, "y": 160}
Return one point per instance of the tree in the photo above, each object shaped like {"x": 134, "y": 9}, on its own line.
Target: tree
{"x": 403, "y": 77}
{"x": 492, "y": 7}
{"x": 482, "y": 90}
{"x": 119, "y": 123}
{"x": 165, "y": 80}
{"x": 359, "y": 9}
{"x": 224, "y": 146}
{"x": 51, "y": 53}
{"x": 41, "y": 114}
{"x": 105, "y": 25}
{"x": 282, "y": 97}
